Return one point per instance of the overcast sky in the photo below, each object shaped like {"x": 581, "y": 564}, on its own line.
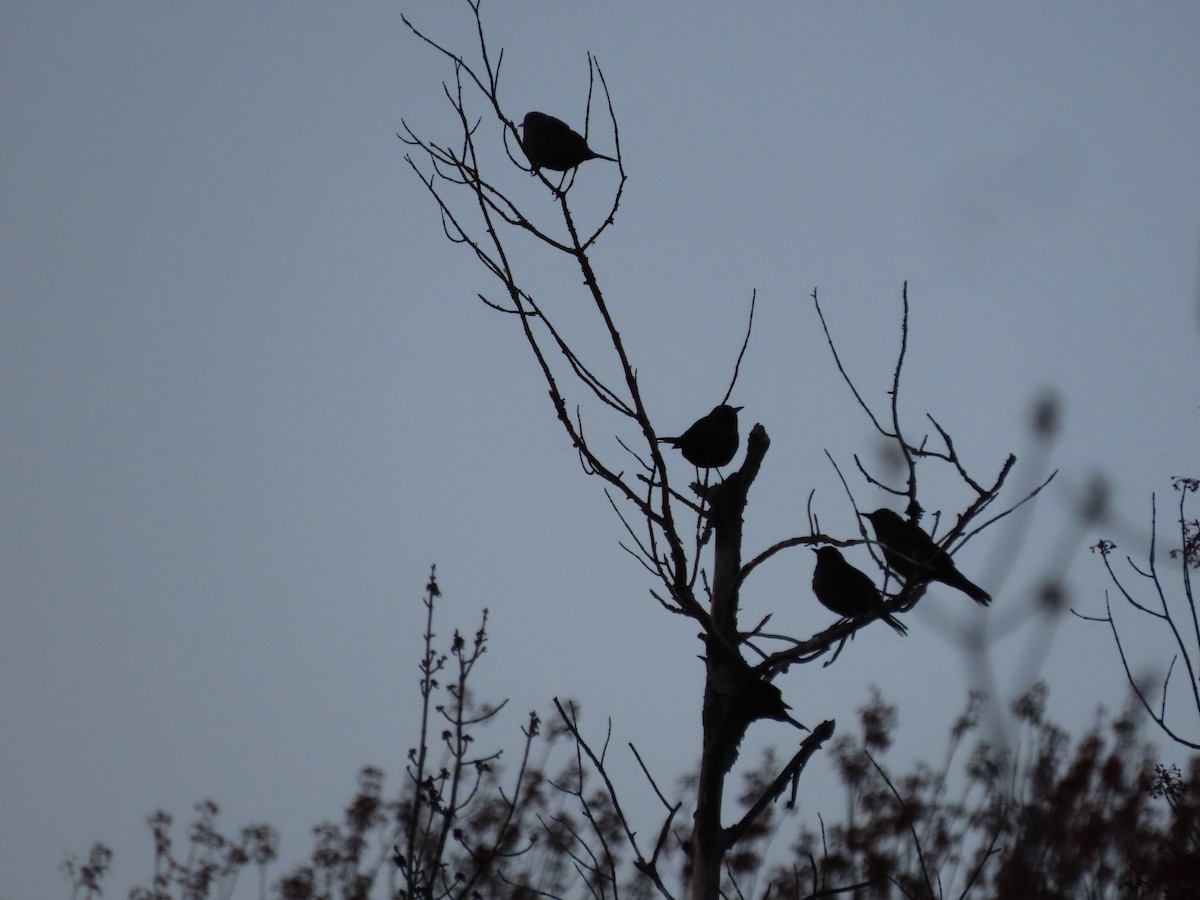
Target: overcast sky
{"x": 247, "y": 395}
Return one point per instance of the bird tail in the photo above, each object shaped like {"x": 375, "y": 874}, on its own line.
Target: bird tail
{"x": 972, "y": 590}
{"x": 784, "y": 716}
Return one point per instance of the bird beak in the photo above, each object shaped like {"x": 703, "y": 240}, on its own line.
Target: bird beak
{"x": 738, "y": 408}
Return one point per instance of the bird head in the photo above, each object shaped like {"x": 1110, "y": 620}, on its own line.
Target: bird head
{"x": 882, "y": 514}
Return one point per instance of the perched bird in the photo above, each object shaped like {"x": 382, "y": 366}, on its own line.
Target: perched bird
{"x": 845, "y": 590}
{"x": 914, "y": 556}
{"x": 712, "y": 441}
{"x": 549, "y": 143}
{"x": 763, "y": 700}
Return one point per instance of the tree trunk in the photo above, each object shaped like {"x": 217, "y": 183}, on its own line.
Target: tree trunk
{"x": 724, "y": 717}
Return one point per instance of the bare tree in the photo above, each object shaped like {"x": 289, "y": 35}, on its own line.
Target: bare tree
{"x": 1059, "y": 818}
{"x": 87, "y": 878}
{"x": 669, "y": 532}
{"x": 1173, "y": 610}
{"x": 212, "y": 863}
{"x": 456, "y": 826}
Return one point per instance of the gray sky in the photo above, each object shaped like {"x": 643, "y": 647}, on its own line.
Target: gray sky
{"x": 247, "y": 396}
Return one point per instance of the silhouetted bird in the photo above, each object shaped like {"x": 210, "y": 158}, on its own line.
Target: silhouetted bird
{"x": 712, "y": 441}
{"x": 913, "y": 555}
{"x": 549, "y": 143}
{"x": 763, "y": 700}
{"x": 845, "y": 590}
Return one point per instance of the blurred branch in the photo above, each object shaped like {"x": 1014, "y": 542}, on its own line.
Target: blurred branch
{"x": 1184, "y": 640}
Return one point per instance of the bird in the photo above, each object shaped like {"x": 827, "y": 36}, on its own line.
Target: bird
{"x": 712, "y": 441}
{"x": 550, "y": 143}
{"x": 763, "y": 700}
{"x": 845, "y": 590}
{"x": 914, "y": 556}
